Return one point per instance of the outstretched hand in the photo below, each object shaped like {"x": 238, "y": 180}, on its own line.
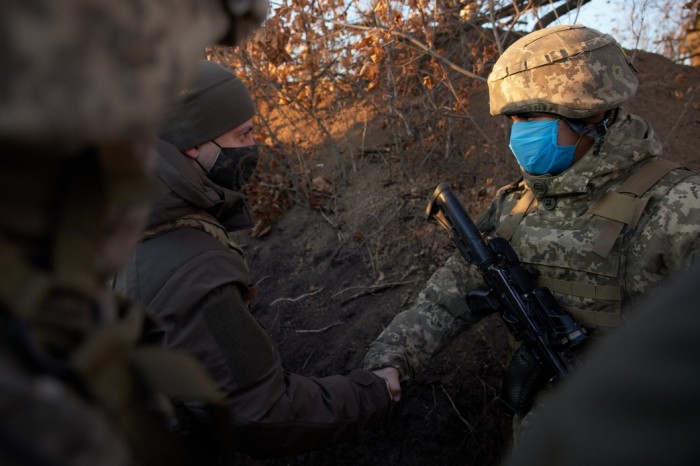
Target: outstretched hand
{"x": 391, "y": 377}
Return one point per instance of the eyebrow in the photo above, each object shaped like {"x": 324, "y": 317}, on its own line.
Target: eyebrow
{"x": 244, "y": 130}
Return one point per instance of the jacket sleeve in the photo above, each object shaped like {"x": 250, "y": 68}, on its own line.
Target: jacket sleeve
{"x": 440, "y": 311}
{"x": 273, "y": 413}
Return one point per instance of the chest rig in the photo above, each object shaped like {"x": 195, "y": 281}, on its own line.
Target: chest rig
{"x": 207, "y": 224}
{"x": 581, "y": 258}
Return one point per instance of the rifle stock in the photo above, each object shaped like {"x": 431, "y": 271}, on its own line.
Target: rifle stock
{"x": 530, "y": 313}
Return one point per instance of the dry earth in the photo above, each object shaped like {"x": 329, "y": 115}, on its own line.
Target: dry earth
{"x": 331, "y": 277}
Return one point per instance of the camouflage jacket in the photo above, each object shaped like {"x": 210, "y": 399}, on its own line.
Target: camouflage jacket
{"x": 556, "y": 236}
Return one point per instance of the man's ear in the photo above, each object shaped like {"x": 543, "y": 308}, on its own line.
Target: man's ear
{"x": 192, "y": 153}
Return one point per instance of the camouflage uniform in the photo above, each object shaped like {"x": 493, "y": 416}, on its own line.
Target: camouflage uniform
{"x": 635, "y": 399}
{"x": 84, "y": 86}
{"x": 555, "y": 223}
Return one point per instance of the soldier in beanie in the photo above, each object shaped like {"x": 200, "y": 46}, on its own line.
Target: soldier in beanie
{"x": 598, "y": 215}
{"x": 194, "y": 279}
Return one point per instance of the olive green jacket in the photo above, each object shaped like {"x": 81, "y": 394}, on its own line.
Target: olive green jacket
{"x": 195, "y": 282}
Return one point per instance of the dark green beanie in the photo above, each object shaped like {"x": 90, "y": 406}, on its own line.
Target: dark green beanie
{"x": 215, "y": 103}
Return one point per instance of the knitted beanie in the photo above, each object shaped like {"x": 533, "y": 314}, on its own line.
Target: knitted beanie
{"x": 215, "y": 103}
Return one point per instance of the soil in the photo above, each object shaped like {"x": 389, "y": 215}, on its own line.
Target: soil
{"x": 332, "y": 273}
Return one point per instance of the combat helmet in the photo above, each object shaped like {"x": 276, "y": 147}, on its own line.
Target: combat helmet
{"x": 573, "y": 71}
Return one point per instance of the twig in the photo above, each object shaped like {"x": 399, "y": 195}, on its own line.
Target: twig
{"x": 469, "y": 426}
{"x": 335, "y": 227}
{"x": 262, "y": 279}
{"x": 308, "y": 359}
{"x": 417, "y": 44}
{"x": 434, "y": 403}
{"x": 371, "y": 289}
{"x": 685, "y": 109}
{"x": 318, "y": 330}
{"x": 293, "y": 300}
{"x": 408, "y": 272}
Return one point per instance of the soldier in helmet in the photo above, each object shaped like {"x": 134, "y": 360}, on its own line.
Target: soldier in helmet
{"x": 195, "y": 280}
{"x": 85, "y": 85}
{"x": 598, "y": 214}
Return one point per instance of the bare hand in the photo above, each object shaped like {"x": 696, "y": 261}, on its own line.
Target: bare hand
{"x": 391, "y": 377}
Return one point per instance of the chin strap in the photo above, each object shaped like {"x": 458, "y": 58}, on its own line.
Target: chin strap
{"x": 597, "y": 131}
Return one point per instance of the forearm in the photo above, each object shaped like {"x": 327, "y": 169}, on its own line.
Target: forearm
{"x": 287, "y": 414}
{"x": 274, "y": 413}
{"x": 440, "y": 312}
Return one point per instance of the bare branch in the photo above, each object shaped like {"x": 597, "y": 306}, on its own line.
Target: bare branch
{"x": 293, "y": 300}
{"x": 559, "y": 11}
{"x": 419, "y": 45}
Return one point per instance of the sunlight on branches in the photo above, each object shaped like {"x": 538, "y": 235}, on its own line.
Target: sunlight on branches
{"x": 321, "y": 70}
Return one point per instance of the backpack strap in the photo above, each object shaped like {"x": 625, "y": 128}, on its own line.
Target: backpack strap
{"x": 625, "y": 205}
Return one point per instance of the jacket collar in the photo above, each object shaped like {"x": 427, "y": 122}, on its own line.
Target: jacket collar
{"x": 629, "y": 140}
{"x": 186, "y": 190}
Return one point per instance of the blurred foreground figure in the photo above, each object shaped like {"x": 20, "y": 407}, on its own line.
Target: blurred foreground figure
{"x": 84, "y": 86}
{"x": 194, "y": 279}
{"x": 635, "y": 398}
{"x": 598, "y": 217}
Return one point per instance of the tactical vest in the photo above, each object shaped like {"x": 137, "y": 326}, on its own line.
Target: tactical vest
{"x": 582, "y": 258}
{"x": 206, "y": 223}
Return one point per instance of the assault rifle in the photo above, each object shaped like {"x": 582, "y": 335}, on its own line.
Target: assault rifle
{"x": 530, "y": 313}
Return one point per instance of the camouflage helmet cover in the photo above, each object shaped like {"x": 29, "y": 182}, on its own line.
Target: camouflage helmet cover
{"x": 82, "y": 71}
{"x": 572, "y": 70}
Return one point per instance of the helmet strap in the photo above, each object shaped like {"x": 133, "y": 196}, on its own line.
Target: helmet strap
{"x": 597, "y": 131}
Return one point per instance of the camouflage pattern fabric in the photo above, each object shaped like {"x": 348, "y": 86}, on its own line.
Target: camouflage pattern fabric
{"x": 84, "y": 87}
{"x": 572, "y": 71}
{"x": 27, "y": 436}
{"x": 634, "y": 399}
{"x": 90, "y": 70}
{"x": 556, "y": 239}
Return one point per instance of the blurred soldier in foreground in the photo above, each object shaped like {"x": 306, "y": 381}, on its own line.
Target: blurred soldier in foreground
{"x": 193, "y": 278}
{"x": 599, "y": 216}
{"x": 84, "y": 86}
{"x": 635, "y": 398}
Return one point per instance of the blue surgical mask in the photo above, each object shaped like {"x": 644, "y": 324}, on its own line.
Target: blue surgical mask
{"x": 534, "y": 144}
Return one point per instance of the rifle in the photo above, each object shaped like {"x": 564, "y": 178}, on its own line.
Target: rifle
{"x": 530, "y": 313}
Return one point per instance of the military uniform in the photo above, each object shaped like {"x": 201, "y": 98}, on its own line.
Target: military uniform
{"x": 85, "y": 84}
{"x": 556, "y": 237}
{"x": 635, "y": 399}
{"x": 600, "y": 235}
{"x": 195, "y": 281}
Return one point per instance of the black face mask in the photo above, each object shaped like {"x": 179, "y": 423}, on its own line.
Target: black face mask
{"x": 234, "y": 166}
